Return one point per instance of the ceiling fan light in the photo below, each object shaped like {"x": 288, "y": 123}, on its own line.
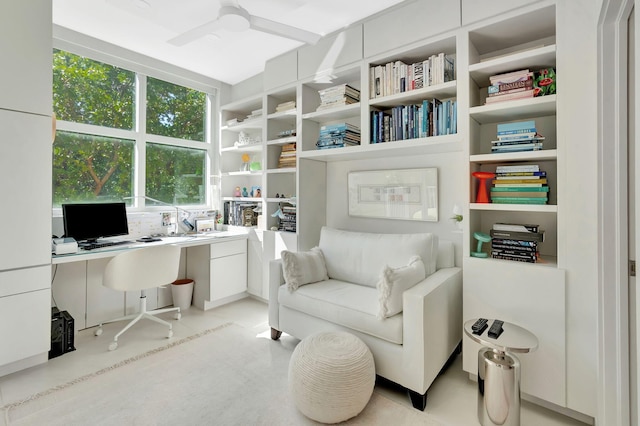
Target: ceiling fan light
{"x": 233, "y": 19}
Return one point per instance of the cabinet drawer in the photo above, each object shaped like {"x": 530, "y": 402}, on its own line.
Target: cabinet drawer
{"x": 228, "y": 248}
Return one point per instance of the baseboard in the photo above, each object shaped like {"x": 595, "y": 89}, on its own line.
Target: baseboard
{"x": 23, "y": 364}
{"x": 550, "y": 406}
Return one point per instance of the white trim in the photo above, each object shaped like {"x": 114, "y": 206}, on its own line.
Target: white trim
{"x": 613, "y": 323}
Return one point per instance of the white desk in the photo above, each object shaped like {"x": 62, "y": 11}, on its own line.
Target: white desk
{"x": 77, "y": 278}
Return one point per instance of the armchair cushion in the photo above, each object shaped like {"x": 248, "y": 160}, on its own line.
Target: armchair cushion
{"x": 300, "y": 268}
{"x": 394, "y": 281}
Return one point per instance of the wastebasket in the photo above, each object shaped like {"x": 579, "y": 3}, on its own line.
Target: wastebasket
{"x": 498, "y": 388}
{"x": 182, "y": 293}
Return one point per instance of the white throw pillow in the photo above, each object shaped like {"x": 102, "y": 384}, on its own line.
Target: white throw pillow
{"x": 304, "y": 267}
{"x": 394, "y": 281}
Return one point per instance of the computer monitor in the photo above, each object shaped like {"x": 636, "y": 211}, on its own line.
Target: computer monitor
{"x": 90, "y": 221}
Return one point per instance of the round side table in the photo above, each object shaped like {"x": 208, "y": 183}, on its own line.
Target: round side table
{"x": 499, "y": 372}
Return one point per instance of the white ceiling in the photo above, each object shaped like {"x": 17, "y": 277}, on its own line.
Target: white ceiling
{"x": 145, "y": 26}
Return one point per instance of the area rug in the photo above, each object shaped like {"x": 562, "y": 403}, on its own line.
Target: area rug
{"x": 223, "y": 376}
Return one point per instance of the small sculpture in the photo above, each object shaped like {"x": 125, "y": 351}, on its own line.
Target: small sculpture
{"x": 482, "y": 238}
{"x": 244, "y": 192}
{"x": 236, "y": 192}
{"x": 483, "y": 196}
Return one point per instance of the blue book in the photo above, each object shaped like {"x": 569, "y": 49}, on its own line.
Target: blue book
{"x": 516, "y": 127}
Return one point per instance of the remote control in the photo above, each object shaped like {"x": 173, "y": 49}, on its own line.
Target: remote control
{"x": 496, "y": 329}
{"x": 479, "y": 326}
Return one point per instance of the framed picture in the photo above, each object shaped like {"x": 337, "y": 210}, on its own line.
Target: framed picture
{"x": 408, "y": 194}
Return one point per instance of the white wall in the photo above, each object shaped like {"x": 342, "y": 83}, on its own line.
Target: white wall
{"x": 450, "y": 191}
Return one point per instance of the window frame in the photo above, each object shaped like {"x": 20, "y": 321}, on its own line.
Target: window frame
{"x": 144, "y": 67}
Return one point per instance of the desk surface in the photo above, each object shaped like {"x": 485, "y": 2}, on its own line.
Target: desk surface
{"x": 182, "y": 241}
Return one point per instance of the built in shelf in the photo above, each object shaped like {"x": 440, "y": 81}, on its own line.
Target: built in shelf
{"x": 514, "y": 110}
{"x": 542, "y": 155}
{"x": 544, "y": 262}
{"x": 535, "y": 208}
{"x": 250, "y": 173}
{"x": 409, "y": 147}
{"x": 279, "y": 200}
{"x": 250, "y": 199}
{"x": 534, "y": 59}
{"x": 444, "y": 90}
{"x": 282, "y": 141}
{"x": 287, "y": 115}
{"x": 282, "y": 170}
{"x": 335, "y": 113}
{"x": 252, "y": 124}
{"x": 252, "y": 147}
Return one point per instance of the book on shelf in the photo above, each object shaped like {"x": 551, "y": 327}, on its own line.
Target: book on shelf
{"x": 509, "y": 242}
{"x": 514, "y": 252}
{"x": 529, "y": 259}
{"x": 338, "y": 134}
{"x": 520, "y": 179}
{"x": 510, "y": 174}
{"x": 517, "y": 227}
{"x": 521, "y": 194}
{"x": 510, "y": 96}
{"x": 255, "y": 114}
{"x": 518, "y": 136}
{"x": 519, "y": 200}
{"x": 540, "y": 175}
{"x": 518, "y": 168}
{"x": 286, "y": 133}
{"x": 518, "y": 185}
{"x": 516, "y": 127}
{"x": 287, "y": 156}
{"x": 398, "y": 76}
{"x": 517, "y": 147}
{"x": 519, "y": 236}
{"x": 515, "y": 142}
{"x": 519, "y": 189}
{"x": 510, "y": 77}
{"x": 285, "y": 106}
{"x": 514, "y": 247}
{"x": 512, "y": 87}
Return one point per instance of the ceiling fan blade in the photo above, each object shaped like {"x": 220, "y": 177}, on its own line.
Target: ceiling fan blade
{"x": 283, "y": 30}
{"x": 194, "y": 33}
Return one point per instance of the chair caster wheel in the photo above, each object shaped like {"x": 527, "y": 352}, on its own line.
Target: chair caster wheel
{"x": 113, "y": 346}
{"x": 177, "y": 315}
{"x": 98, "y": 331}
{"x": 170, "y": 334}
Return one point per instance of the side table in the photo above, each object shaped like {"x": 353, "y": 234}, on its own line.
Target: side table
{"x": 499, "y": 372}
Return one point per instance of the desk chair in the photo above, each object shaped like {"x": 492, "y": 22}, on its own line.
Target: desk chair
{"x": 142, "y": 269}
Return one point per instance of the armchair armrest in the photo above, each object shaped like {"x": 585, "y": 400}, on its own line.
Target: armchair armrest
{"x": 276, "y": 279}
{"x": 432, "y": 323}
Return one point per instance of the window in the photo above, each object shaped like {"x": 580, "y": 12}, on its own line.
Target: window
{"x": 102, "y": 154}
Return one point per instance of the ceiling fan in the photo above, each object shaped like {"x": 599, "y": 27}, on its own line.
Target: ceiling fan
{"x": 233, "y": 17}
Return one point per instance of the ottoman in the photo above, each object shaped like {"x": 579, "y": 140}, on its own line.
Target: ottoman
{"x": 331, "y": 376}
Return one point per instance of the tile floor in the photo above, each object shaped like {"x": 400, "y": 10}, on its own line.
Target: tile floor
{"x": 451, "y": 399}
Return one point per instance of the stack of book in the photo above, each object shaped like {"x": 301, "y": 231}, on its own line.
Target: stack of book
{"x": 287, "y": 220}
{"x": 338, "y": 135}
{"x": 509, "y": 86}
{"x": 256, "y": 113}
{"x": 397, "y": 77}
{"x": 287, "y": 156}
{"x": 338, "y": 96}
{"x": 517, "y": 136}
{"x": 520, "y": 184}
{"x": 516, "y": 242}
{"x": 431, "y": 118}
{"x": 285, "y": 106}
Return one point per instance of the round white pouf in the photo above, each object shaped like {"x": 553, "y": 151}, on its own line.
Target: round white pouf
{"x": 331, "y": 376}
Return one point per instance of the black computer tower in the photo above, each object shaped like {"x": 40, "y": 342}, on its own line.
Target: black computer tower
{"x": 62, "y": 337}
{"x": 57, "y": 334}
{"x": 68, "y": 325}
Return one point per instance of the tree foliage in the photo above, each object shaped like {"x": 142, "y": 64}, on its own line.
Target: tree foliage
{"x": 89, "y": 167}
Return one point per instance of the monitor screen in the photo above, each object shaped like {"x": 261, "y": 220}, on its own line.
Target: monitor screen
{"x": 91, "y": 221}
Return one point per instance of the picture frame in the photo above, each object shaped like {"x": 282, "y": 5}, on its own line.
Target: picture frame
{"x": 405, "y": 194}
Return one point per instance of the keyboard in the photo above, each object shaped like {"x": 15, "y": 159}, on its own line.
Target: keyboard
{"x": 102, "y": 244}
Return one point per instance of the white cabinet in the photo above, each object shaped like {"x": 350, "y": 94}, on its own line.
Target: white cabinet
{"x": 219, "y": 271}
{"x": 25, "y": 140}
{"x": 26, "y": 309}
{"x": 26, "y": 48}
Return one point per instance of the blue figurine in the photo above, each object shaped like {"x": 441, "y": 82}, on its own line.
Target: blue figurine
{"x": 244, "y": 192}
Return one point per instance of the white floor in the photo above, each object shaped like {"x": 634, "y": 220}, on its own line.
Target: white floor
{"x": 451, "y": 399}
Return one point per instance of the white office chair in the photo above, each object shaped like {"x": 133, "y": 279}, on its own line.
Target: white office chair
{"x": 142, "y": 269}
